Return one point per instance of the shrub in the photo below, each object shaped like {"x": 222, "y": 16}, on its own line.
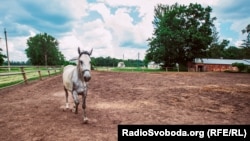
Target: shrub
{"x": 240, "y": 66}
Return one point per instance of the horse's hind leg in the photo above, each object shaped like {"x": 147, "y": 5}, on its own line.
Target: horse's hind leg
{"x": 66, "y": 95}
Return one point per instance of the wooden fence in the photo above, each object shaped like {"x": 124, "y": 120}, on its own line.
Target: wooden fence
{"x": 19, "y": 74}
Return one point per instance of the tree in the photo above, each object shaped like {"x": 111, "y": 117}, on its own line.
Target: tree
{"x": 217, "y": 50}
{"x": 2, "y": 57}
{"x": 246, "y": 43}
{"x": 43, "y": 50}
{"x": 233, "y": 52}
{"x": 240, "y": 66}
{"x": 181, "y": 33}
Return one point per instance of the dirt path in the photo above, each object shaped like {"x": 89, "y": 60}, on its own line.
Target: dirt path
{"x": 34, "y": 112}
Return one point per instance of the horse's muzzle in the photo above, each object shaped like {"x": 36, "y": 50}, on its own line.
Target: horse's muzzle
{"x": 86, "y": 75}
{"x": 86, "y": 78}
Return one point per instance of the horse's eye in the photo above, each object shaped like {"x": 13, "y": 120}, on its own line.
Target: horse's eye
{"x": 81, "y": 62}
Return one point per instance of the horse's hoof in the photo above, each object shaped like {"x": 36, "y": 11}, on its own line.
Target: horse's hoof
{"x": 67, "y": 105}
{"x": 85, "y": 120}
{"x": 63, "y": 108}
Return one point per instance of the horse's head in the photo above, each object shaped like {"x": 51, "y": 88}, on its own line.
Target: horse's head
{"x": 84, "y": 64}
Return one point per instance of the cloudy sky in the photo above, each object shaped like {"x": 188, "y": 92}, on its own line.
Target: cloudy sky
{"x": 115, "y": 28}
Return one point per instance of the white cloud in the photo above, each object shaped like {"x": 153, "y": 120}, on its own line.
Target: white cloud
{"x": 238, "y": 43}
{"x": 116, "y": 34}
{"x": 76, "y": 8}
{"x": 16, "y": 48}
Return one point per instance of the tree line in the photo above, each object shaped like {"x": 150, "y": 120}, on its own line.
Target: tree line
{"x": 95, "y": 62}
{"x": 113, "y": 62}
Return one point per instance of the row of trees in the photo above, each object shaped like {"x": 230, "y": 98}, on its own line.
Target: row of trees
{"x": 113, "y": 62}
{"x": 95, "y": 61}
{"x": 17, "y": 63}
{"x": 221, "y": 49}
{"x": 182, "y": 33}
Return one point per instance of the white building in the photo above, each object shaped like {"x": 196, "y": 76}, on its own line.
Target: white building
{"x": 121, "y": 65}
{"x": 153, "y": 65}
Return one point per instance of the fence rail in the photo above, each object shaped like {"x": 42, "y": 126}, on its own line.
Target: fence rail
{"x": 20, "y": 74}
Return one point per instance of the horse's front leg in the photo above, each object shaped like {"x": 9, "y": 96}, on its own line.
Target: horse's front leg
{"x": 66, "y": 96}
{"x": 76, "y": 100}
{"x": 84, "y": 96}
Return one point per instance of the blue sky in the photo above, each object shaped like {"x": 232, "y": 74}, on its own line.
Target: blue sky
{"x": 113, "y": 28}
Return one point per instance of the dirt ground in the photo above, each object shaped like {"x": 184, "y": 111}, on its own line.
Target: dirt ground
{"x": 34, "y": 112}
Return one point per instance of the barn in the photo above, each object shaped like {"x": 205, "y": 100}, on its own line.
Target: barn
{"x": 210, "y": 64}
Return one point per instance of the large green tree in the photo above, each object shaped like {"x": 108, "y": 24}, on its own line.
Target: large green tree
{"x": 181, "y": 33}
{"x": 246, "y": 43}
{"x": 43, "y": 50}
{"x": 1, "y": 57}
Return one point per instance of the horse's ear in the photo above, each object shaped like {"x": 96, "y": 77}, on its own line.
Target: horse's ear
{"x": 79, "y": 51}
{"x": 90, "y": 52}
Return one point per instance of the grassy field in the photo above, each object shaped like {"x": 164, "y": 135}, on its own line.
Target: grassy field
{"x": 14, "y": 76}
{"x": 128, "y": 69}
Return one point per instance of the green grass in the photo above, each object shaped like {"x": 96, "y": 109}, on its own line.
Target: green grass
{"x": 31, "y": 74}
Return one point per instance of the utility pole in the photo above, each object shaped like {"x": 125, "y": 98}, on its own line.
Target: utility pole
{"x": 5, "y": 33}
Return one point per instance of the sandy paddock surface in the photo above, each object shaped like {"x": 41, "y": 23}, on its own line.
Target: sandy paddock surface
{"x": 34, "y": 112}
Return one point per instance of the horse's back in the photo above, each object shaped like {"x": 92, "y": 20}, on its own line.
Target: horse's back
{"x": 67, "y": 76}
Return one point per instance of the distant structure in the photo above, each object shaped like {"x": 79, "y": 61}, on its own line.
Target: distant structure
{"x": 153, "y": 65}
{"x": 211, "y": 64}
{"x": 121, "y": 65}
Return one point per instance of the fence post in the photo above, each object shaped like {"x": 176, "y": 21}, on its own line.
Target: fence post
{"x": 24, "y": 75}
{"x": 39, "y": 73}
{"x": 48, "y": 72}
{"x": 40, "y": 76}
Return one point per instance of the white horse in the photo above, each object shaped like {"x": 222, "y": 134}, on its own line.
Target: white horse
{"x": 75, "y": 80}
